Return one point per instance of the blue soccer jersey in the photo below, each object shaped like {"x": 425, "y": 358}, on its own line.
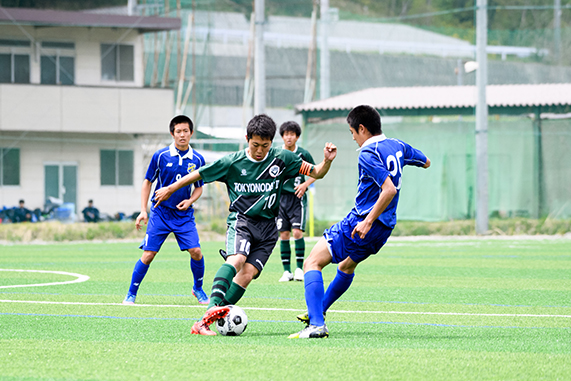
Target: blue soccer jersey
{"x": 167, "y": 166}
{"x": 381, "y": 157}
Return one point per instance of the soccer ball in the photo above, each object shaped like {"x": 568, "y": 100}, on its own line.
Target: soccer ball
{"x": 234, "y": 323}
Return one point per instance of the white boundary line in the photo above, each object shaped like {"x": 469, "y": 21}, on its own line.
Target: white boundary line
{"x": 80, "y": 278}
{"x": 290, "y": 309}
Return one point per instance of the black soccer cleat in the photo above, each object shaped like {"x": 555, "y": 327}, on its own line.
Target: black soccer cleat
{"x": 223, "y": 254}
{"x": 304, "y": 318}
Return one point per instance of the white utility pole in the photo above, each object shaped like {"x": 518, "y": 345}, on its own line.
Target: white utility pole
{"x": 131, "y": 5}
{"x": 259, "y": 61}
{"x": 557, "y": 30}
{"x": 481, "y": 118}
{"x": 324, "y": 66}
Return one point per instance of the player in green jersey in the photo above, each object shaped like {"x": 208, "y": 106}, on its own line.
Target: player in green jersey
{"x": 293, "y": 206}
{"x": 254, "y": 178}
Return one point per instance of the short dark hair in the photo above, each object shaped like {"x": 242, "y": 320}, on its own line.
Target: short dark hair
{"x": 21, "y": 202}
{"x": 178, "y": 120}
{"x": 290, "y": 126}
{"x": 261, "y": 125}
{"x": 368, "y": 117}
{"x": 90, "y": 202}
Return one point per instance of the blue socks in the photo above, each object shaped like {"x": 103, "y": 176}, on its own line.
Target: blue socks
{"x": 138, "y": 274}
{"x": 319, "y": 302}
{"x": 314, "y": 296}
{"x": 197, "y": 268}
{"x": 336, "y": 288}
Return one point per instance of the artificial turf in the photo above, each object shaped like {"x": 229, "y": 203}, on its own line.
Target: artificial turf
{"x": 430, "y": 309}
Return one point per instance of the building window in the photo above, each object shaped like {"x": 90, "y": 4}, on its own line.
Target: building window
{"x": 117, "y": 63}
{"x": 14, "y": 61}
{"x": 116, "y": 167}
{"x": 57, "y": 63}
{"x": 9, "y": 166}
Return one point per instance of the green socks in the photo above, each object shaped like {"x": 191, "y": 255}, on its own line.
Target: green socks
{"x": 221, "y": 284}
{"x": 299, "y": 252}
{"x": 234, "y": 294}
{"x": 286, "y": 254}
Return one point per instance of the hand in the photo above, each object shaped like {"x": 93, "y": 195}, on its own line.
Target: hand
{"x": 162, "y": 194}
{"x": 330, "y": 151}
{"x": 184, "y": 205}
{"x": 141, "y": 217}
{"x": 361, "y": 229}
{"x": 300, "y": 190}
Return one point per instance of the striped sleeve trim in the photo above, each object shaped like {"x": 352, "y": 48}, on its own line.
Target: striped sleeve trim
{"x": 306, "y": 168}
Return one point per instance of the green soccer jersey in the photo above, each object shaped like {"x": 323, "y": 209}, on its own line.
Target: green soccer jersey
{"x": 254, "y": 187}
{"x": 290, "y": 184}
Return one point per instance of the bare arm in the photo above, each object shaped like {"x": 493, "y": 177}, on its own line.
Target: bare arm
{"x": 321, "y": 169}
{"x": 145, "y": 192}
{"x": 164, "y": 193}
{"x": 388, "y": 192}
{"x": 301, "y": 188}
{"x": 185, "y": 204}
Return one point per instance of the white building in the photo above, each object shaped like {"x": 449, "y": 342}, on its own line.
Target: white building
{"x": 73, "y": 111}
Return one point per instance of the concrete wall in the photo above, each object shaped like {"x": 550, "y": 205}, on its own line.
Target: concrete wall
{"x": 87, "y": 50}
{"x": 38, "y": 149}
{"x": 84, "y": 109}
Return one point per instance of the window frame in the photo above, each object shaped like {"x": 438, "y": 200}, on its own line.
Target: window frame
{"x": 15, "y": 48}
{"x": 107, "y": 48}
{"x": 58, "y": 49}
{"x": 2, "y": 156}
{"x": 118, "y": 169}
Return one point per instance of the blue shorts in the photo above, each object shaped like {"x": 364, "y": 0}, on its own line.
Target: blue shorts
{"x": 341, "y": 245}
{"x": 164, "y": 221}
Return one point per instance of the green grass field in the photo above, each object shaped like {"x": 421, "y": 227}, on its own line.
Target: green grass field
{"x": 434, "y": 309}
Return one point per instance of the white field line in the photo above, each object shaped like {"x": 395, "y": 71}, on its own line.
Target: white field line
{"x": 289, "y": 309}
{"x": 80, "y": 278}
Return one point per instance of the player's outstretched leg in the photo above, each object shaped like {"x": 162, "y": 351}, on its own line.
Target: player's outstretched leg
{"x": 139, "y": 273}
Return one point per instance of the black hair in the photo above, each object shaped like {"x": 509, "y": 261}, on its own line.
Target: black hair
{"x": 90, "y": 202}
{"x": 368, "y": 117}
{"x": 290, "y": 126}
{"x": 261, "y": 125}
{"x": 180, "y": 119}
{"x": 21, "y": 202}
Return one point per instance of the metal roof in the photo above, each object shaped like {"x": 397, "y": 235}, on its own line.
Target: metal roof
{"x": 434, "y": 100}
{"x": 42, "y": 17}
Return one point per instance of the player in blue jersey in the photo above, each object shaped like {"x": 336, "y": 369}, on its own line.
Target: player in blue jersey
{"x": 176, "y": 215}
{"x": 367, "y": 226}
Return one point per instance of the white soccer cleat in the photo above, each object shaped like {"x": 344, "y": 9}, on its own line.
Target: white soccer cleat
{"x": 298, "y": 275}
{"x": 286, "y": 277}
{"x": 311, "y": 332}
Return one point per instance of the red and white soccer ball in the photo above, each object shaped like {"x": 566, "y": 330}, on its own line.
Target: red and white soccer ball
{"x": 234, "y": 323}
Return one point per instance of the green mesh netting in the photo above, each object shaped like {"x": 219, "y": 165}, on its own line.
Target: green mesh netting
{"x": 520, "y": 184}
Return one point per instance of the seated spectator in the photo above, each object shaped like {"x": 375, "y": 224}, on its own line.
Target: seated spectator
{"x": 90, "y": 213}
{"x": 22, "y": 214}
